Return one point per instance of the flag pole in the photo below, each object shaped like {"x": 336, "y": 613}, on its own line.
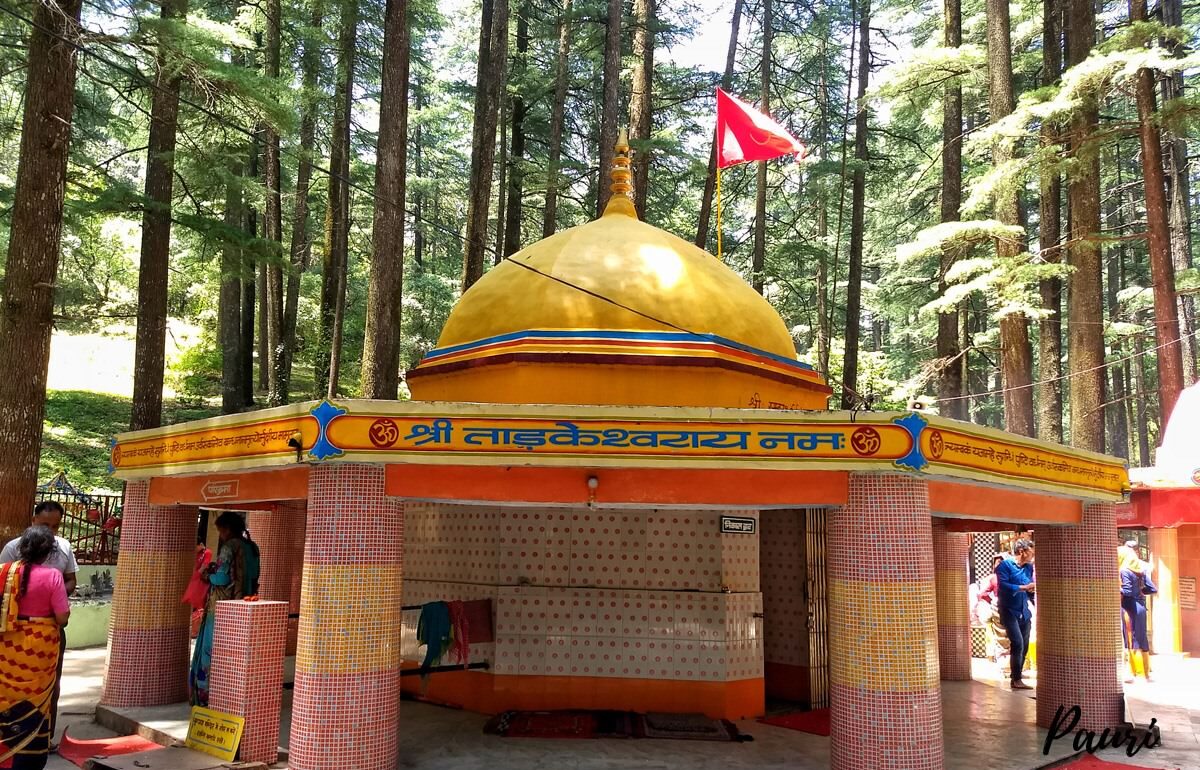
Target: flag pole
{"x": 718, "y": 211}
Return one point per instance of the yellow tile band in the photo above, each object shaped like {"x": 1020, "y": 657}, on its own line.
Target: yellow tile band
{"x": 883, "y": 636}
{"x": 147, "y": 593}
{"x": 1087, "y": 617}
{"x": 952, "y": 597}
{"x": 357, "y": 611}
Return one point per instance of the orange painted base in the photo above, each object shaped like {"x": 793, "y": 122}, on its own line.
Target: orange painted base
{"x": 787, "y": 682}
{"x": 493, "y": 693}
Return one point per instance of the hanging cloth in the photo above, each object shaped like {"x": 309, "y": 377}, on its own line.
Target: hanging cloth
{"x": 460, "y": 647}
{"x": 197, "y": 589}
{"x": 433, "y": 631}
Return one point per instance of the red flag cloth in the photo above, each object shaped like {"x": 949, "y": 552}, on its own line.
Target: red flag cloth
{"x": 744, "y": 134}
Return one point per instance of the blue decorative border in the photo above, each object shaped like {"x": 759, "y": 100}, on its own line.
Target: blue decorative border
{"x": 326, "y": 413}
{"x": 914, "y": 424}
{"x": 436, "y": 353}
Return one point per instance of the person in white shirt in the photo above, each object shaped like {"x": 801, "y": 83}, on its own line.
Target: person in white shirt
{"x": 49, "y": 513}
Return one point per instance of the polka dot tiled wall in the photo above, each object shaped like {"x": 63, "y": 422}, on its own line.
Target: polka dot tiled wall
{"x": 280, "y": 537}
{"x": 576, "y": 592}
{"x": 247, "y": 672}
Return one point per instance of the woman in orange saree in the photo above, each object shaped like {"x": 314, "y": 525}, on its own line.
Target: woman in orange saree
{"x": 33, "y": 608}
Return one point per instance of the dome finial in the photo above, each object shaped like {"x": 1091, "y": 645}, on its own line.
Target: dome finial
{"x": 620, "y": 202}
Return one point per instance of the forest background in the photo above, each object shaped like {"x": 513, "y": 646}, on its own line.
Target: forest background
{"x": 239, "y": 204}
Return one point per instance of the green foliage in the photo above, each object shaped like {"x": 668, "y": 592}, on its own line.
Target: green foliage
{"x": 195, "y": 375}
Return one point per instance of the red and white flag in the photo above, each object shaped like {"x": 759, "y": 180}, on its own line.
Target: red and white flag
{"x": 744, "y": 134}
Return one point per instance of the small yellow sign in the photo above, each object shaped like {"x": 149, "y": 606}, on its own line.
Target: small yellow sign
{"x": 215, "y": 733}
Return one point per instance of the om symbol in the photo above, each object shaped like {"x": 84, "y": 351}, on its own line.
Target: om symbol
{"x": 383, "y": 433}
{"x": 865, "y": 441}
{"x": 116, "y": 456}
{"x": 937, "y": 444}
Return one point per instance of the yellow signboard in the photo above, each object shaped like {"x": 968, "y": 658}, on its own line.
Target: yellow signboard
{"x": 485, "y": 434}
{"x": 215, "y": 733}
{"x": 973, "y": 453}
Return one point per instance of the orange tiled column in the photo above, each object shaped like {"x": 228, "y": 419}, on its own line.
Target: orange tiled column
{"x": 950, "y": 550}
{"x": 1167, "y": 627}
{"x": 1079, "y": 620}
{"x": 347, "y": 697}
{"x": 883, "y": 629}
{"x": 247, "y": 672}
{"x": 280, "y": 537}
{"x": 148, "y": 634}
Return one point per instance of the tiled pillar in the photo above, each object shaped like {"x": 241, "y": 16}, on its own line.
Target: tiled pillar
{"x": 950, "y": 553}
{"x": 883, "y": 629}
{"x": 280, "y": 537}
{"x": 148, "y": 634}
{"x": 1167, "y": 628}
{"x": 1079, "y": 620}
{"x": 247, "y": 672}
{"x": 347, "y": 696}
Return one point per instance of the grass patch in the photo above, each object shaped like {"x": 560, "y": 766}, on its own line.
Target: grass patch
{"x": 78, "y": 427}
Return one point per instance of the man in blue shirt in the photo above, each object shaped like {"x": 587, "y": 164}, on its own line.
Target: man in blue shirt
{"x": 1014, "y": 584}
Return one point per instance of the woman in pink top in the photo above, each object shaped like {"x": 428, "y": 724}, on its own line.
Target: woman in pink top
{"x": 33, "y": 608}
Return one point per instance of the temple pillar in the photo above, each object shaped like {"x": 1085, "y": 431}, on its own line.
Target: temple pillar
{"x": 1079, "y": 620}
{"x": 1167, "y": 626}
{"x": 148, "y": 634}
{"x": 280, "y": 537}
{"x": 883, "y": 628}
{"x": 247, "y": 672}
{"x": 347, "y": 693}
{"x": 950, "y": 553}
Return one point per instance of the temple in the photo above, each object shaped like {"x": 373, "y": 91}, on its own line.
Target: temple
{"x": 614, "y": 443}
{"x": 1163, "y": 514}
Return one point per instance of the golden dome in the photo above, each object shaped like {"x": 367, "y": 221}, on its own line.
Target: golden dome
{"x": 574, "y": 314}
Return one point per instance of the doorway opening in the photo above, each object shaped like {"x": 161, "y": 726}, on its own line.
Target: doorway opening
{"x": 792, "y": 578}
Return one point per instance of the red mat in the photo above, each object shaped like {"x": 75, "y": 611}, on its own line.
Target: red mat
{"x": 79, "y": 752}
{"x": 1090, "y": 762}
{"x": 815, "y": 722}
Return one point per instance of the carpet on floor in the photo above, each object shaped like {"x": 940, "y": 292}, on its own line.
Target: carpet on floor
{"x": 79, "y": 752}
{"x": 1092, "y": 762}
{"x": 815, "y": 721}
{"x": 611, "y": 724}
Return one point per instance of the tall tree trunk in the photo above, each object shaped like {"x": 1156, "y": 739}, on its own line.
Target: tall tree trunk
{"x": 557, "y": 112}
{"x": 501, "y": 176}
{"x": 337, "y": 208}
{"x": 1179, "y": 195}
{"x": 952, "y": 371}
{"x": 1118, "y": 427}
{"x": 263, "y": 347}
{"x": 273, "y": 214}
{"x": 1085, "y": 300}
{"x": 493, "y": 54}
{"x": 609, "y": 110}
{"x": 249, "y": 287}
{"x": 641, "y": 100}
{"x": 1016, "y": 355}
{"x": 706, "y": 197}
{"x": 418, "y": 194}
{"x": 1048, "y": 391}
{"x": 1139, "y": 386}
{"x": 381, "y": 341}
{"x": 516, "y": 155}
{"x": 33, "y": 250}
{"x": 229, "y": 304}
{"x": 149, "y": 356}
{"x": 1162, "y": 269}
{"x": 301, "y": 246}
{"x": 858, "y": 212}
{"x": 822, "y": 289}
{"x": 759, "y": 259}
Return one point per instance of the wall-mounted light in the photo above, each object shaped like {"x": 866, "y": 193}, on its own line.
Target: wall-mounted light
{"x": 593, "y": 483}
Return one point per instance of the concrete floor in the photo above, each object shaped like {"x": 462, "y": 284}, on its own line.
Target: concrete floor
{"x": 987, "y": 727}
